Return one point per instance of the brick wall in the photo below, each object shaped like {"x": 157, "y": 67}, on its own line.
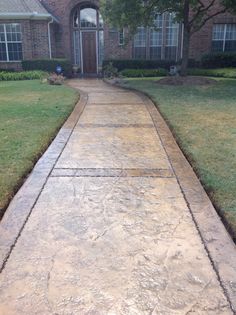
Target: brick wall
{"x": 112, "y": 48}
{"x": 39, "y": 33}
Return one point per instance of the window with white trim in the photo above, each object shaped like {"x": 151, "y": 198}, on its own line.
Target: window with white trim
{"x": 10, "y": 42}
{"x": 172, "y": 35}
{"x": 158, "y": 42}
{"x": 101, "y": 47}
{"x": 121, "y": 37}
{"x": 77, "y": 47}
{"x": 156, "y": 38}
{"x": 224, "y": 38}
{"x": 140, "y": 43}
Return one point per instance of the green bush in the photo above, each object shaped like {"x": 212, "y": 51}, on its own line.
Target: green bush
{"x": 26, "y": 75}
{"x": 220, "y": 73}
{"x": 138, "y": 73}
{"x": 48, "y": 65}
{"x": 109, "y": 71}
{"x": 219, "y": 60}
{"x": 192, "y": 63}
{"x": 7, "y": 70}
{"x": 122, "y": 64}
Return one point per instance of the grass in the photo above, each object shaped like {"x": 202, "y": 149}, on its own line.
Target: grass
{"x": 229, "y": 73}
{"x": 30, "y": 115}
{"x": 203, "y": 119}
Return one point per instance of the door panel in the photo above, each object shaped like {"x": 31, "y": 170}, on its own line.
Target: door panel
{"x": 89, "y": 52}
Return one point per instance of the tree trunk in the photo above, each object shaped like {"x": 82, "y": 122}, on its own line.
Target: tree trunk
{"x": 186, "y": 39}
{"x": 185, "y": 58}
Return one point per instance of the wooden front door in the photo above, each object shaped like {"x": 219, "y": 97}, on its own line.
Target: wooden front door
{"x": 89, "y": 52}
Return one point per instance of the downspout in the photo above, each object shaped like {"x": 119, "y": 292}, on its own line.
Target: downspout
{"x": 182, "y": 40}
{"x": 49, "y": 39}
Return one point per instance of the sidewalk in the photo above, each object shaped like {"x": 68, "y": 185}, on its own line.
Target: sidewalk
{"x": 111, "y": 231}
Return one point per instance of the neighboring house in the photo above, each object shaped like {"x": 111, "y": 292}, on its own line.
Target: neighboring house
{"x": 74, "y": 29}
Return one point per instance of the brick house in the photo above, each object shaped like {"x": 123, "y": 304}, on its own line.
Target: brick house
{"x": 74, "y": 29}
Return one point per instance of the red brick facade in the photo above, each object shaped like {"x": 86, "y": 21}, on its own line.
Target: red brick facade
{"x": 35, "y": 40}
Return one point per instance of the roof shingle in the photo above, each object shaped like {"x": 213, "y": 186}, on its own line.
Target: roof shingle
{"x": 22, "y": 6}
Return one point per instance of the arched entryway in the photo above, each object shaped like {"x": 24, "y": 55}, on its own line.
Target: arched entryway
{"x": 88, "y": 38}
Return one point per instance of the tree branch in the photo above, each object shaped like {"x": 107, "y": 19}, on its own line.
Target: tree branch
{"x": 201, "y": 10}
{"x": 209, "y": 17}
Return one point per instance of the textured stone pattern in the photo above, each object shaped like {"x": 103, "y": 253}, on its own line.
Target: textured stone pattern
{"x": 111, "y": 232}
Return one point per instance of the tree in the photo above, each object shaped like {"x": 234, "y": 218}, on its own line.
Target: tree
{"x": 194, "y": 14}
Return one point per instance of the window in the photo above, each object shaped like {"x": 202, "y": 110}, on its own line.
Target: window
{"x": 76, "y": 19}
{"x": 172, "y": 34}
{"x": 10, "y": 42}
{"x": 101, "y": 48}
{"x": 101, "y": 22}
{"x": 160, "y": 41}
{"x": 156, "y": 38}
{"x": 77, "y": 47}
{"x": 88, "y": 18}
{"x": 121, "y": 37}
{"x": 224, "y": 38}
{"x": 140, "y": 43}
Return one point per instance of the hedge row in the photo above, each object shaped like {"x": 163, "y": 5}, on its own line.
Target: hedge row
{"x": 139, "y": 73}
{"x": 48, "y": 65}
{"x": 138, "y": 64}
{"x": 8, "y": 70}
{"x": 26, "y": 75}
{"x": 219, "y": 60}
{"x": 220, "y": 73}
{"x": 209, "y": 61}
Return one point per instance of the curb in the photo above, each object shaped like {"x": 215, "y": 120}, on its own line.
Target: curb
{"x": 20, "y": 208}
{"x": 218, "y": 244}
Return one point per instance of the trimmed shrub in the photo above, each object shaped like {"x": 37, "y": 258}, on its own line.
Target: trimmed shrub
{"x": 26, "y": 75}
{"x": 220, "y": 73}
{"x": 219, "y": 60}
{"x": 122, "y": 64}
{"x": 7, "y": 70}
{"x": 139, "y": 73}
{"x": 48, "y": 65}
{"x": 192, "y": 63}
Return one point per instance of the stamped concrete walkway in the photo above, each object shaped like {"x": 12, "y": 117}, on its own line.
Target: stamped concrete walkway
{"x": 111, "y": 232}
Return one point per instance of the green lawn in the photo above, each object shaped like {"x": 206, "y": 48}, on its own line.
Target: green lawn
{"x": 203, "y": 120}
{"x": 30, "y": 115}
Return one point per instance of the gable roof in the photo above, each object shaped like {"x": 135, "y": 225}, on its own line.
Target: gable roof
{"x": 31, "y": 9}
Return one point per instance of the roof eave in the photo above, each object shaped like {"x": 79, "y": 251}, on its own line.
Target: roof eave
{"x": 28, "y": 16}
